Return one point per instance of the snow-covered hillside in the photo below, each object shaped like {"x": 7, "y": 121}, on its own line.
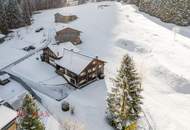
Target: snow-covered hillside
{"x": 160, "y": 54}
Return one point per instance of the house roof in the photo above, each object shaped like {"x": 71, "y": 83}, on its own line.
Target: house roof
{"x": 4, "y": 77}
{"x": 58, "y": 49}
{"x": 7, "y": 115}
{"x": 74, "y": 61}
{"x": 58, "y": 14}
{"x": 68, "y": 29}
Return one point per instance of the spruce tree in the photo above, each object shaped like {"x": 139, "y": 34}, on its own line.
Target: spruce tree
{"x": 30, "y": 118}
{"x": 14, "y": 14}
{"x": 3, "y": 21}
{"x": 124, "y": 101}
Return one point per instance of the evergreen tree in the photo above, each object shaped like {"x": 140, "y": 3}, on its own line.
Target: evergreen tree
{"x": 26, "y": 11}
{"x": 3, "y": 22}
{"x": 124, "y": 101}
{"x": 30, "y": 117}
{"x": 14, "y": 14}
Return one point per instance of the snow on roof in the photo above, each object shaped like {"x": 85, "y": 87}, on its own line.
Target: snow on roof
{"x": 58, "y": 29}
{"x": 4, "y": 77}
{"x": 1, "y": 99}
{"x": 58, "y": 49}
{"x": 7, "y": 115}
{"x": 74, "y": 61}
{"x": 2, "y": 36}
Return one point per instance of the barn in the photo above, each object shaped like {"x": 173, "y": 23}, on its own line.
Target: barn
{"x": 68, "y": 35}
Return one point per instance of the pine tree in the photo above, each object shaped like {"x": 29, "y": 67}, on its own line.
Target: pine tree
{"x": 14, "y": 14}
{"x": 3, "y": 22}
{"x": 124, "y": 101}
{"x": 26, "y": 11}
{"x": 30, "y": 118}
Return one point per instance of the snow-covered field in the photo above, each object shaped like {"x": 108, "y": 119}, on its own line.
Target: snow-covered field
{"x": 160, "y": 54}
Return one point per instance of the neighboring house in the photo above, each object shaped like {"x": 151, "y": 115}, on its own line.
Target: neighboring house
{"x": 7, "y": 118}
{"x": 2, "y": 38}
{"x": 4, "y": 79}
{"x": 68, "y": 35}
{"x": 78, "y": 69}
{"x": 64, "y": 19}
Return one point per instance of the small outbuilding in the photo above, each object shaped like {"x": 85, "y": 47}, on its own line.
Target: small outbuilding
{"x": 68, "y": 35}
{"x": 64, "y": 19}
{"x": 4, "y": 79}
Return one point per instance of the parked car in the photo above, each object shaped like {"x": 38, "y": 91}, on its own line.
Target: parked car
{"x": 29, "y": 48}
{"x": 39, "y": 29}
{"x": 4, "y": 79}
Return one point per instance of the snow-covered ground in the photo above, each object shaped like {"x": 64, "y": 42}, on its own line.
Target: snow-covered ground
{"x": 11, "y": 91}
{"x": 160, "y": 54}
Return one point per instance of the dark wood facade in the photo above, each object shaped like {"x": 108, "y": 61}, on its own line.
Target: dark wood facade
{"x": 93, "y": 71}
{"x": 68, "y": 35}
{"x": 49, "y": 56}
{"x": 11, "y": 125}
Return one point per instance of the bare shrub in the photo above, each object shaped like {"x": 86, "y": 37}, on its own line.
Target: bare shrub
{"x": 72, "y": 125}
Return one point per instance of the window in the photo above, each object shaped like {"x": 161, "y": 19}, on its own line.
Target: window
{"x": 93, "y": 69}
{"x": 82, "y": 81}
{"x": 100, "y": 66}
{"x": 93, "y": 75}
{"x": 83, "y": 73}
{"x": 89, "y": 70}
{"x": 94, "y": 62}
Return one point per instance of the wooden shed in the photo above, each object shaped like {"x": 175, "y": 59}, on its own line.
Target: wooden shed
{"x": 68, "y": 35}
{"x": 64, "y": 19}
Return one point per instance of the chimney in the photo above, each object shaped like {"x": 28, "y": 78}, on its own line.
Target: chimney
{"x": 96, "y": 57}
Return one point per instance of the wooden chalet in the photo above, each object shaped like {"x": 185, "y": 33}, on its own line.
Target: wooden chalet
{"x": 4, "y": 79}
{"x": 68, "y": 35}
{"x": 7, "y": 118}
{"x": 64, "y": 19}
{"x": 78, "y": 69}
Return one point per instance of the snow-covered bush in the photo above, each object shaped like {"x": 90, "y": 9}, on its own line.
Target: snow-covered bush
{"x": 65, "y": 106}
{"x": 72, "y": 125}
